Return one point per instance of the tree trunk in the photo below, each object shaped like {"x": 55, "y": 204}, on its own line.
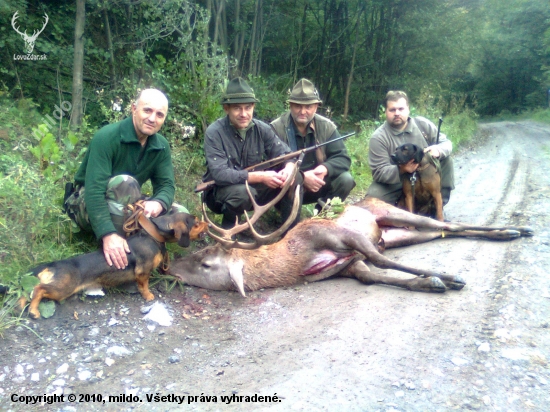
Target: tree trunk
{"x": 110, "y": 47}
{"x": 253, "y": 36}
{"x": 352, "y": 66}
{"x": 78, "y": 64}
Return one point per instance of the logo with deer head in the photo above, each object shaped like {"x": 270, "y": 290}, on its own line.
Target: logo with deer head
{"x": 29, "y": 40}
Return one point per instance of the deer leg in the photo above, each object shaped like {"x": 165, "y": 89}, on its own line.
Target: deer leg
{"x": 397, "y": 237}
{"x": 369, "y": 250}
{"x": 361, "y": 272}
{"x": 388, "y": 215}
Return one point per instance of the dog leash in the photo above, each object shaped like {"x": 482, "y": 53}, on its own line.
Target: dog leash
{"x": 136, "y": 220}
{"x": 413, "y": 182}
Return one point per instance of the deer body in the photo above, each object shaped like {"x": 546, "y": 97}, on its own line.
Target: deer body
{"x": 319, "y": 248}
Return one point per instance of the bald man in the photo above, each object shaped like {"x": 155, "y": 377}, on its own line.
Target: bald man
{"x": 120, "y": 159}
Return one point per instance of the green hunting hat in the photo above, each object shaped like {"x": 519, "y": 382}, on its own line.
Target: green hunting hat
{"x": 304, "y": 92}
{"x": 238, "y": 91}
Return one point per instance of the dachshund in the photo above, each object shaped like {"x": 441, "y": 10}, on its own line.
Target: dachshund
{"x": 61, "y": 279}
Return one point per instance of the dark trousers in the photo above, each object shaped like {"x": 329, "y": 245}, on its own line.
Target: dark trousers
{"x": 340, "y": 186}
{"x": 232, "y": 201}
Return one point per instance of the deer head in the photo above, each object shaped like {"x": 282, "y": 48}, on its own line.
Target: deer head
{"x": 29, "y": 40}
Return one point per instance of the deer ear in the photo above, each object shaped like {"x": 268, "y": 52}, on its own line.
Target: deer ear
{"x": 236, "y": 275}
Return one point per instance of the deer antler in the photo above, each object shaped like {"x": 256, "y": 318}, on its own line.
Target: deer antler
{"x": 14, "y": 18}
{"x": 225, "y": 239}
{"x": 36, "y": 33}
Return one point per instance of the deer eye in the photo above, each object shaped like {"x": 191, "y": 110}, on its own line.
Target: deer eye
{"x": 205, "y": 265}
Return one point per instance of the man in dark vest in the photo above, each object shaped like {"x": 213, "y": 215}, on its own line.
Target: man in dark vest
{"x": 234, "y": 143}
{"x": 399, "y": 128}
{"x": 325, "y": 171}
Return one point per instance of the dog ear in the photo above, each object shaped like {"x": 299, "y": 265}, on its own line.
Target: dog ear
{"x": 419, "y": 155}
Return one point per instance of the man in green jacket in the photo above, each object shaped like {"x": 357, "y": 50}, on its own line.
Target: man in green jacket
{"x": 326, "y": 171}
{"x": 121, "y": 157}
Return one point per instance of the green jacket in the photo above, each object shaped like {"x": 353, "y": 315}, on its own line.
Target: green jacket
{"x": 114, "y": 150}
{"x": 334, "y": 156}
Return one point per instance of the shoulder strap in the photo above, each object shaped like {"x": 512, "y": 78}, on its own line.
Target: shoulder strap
{"x": 424, "y": 133}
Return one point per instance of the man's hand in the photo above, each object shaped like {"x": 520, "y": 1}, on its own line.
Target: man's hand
{"x": 152, "y": 208}
{"x": 434, "y": 151}
{"x": 269, "y": 178}
{"x": 408, "y": 167}
{"x": 314, "y": 179}
{"x": 115, "y": 249}
{"x": 287, "y": 171}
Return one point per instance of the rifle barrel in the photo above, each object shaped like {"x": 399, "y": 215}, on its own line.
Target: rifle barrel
{"x": 275, "y": 161}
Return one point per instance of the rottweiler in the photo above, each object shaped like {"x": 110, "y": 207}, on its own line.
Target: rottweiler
{"x": 422, "y": 189}
{"x": 61, "y": 279}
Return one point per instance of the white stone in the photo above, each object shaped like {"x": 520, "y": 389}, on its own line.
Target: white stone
{"x": 118, "y": 351}
{"x": 62, "y": 369}
{"x": 84, "y": 375}
{"x": 514, "y": 354}
{"x": 484, "y": 347}
{"x": 159, "y": 314}
{"x": 459, "y": 361}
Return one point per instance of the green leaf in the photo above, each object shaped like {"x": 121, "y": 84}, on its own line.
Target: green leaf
{"x": 29, "y": 282}
{"x": 47, "y": 309}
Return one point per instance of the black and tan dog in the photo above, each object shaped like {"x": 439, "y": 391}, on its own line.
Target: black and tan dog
{"x": 421, "y": 189}
{"x": 61, "y": 279}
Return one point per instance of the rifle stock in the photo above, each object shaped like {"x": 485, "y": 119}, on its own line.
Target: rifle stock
{"x": 274, "y": 162}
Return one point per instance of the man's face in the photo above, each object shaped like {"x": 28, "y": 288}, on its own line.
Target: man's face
{"x": 303, "y": 113}
{"x": 240, "y": 114}
{"x": 397, "y": 113}
{"x": 149, "y": 113}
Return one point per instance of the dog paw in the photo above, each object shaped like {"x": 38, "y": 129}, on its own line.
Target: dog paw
{"x": 148, "y": 296}
{"x": 35, "y": 314}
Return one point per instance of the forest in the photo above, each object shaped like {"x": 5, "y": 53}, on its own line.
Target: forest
{"x": 69, "y": 67}
{"x": 487, "y": 55}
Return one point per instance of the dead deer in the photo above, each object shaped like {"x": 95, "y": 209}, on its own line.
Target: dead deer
{"x": 317, "y": 249}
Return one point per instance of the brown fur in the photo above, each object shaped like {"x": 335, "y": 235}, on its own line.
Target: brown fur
{"x": 427, "y": 199}
{"x": 61, "y": 279}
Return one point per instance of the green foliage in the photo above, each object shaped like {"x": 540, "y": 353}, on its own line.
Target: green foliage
{"x": 540, "y": 115}
{"x": 32, "y": 226}
{"x": 272, "y": 102}
{"x": 358, "y": 150}
{"x": 331, "y": 209}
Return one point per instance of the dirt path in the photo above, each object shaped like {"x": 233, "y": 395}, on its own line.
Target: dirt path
{"x": 335, "y": 345}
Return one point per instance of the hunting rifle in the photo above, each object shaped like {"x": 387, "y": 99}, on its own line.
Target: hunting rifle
{"x": 439, "y": 129}
{"x": 275, "y": 161}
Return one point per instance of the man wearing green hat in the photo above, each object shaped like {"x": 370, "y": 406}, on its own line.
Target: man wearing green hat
{"x": 234, "y": 143}
{"x": 325, "y": 171}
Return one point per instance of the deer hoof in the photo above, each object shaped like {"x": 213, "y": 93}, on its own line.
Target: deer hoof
{"x": 457, "y": 283}
{"x": 430, "y": 284}
{"x": 436, "y": 285}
